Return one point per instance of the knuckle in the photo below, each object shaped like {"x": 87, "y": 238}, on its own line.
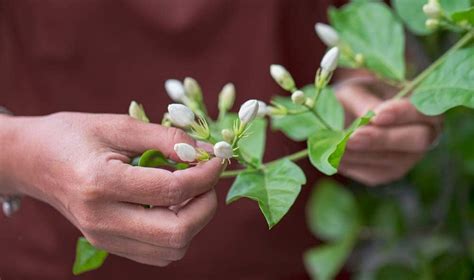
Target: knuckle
{"x": 177, "y": 135}
{"x": 178, "y": 254}
{"x": 173, "y": 191}
{"x": 91, "y": 181}
{"x": 88, "y": 220}
{"x": 180, "y": 236}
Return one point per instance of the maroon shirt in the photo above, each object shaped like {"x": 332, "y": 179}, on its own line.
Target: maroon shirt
{"x": 96, "y": 56}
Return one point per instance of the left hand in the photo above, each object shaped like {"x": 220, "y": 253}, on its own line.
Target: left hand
{"x": 397, "y": 138}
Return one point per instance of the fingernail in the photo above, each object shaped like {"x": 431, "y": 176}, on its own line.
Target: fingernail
{"x": 384, "y": 118}
{"x": 358, "y": 142}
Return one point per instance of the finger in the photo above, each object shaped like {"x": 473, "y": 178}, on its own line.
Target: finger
{"x": 357, "y": 100}
{"x": 382, "y": 158}
{"x": 161, "y": 226}
{"x": 400, "y": 112}
{"x": 145, "y": 260}
{"x": 159, "y": 187}
{"x": 409, "y": 138}
{"x": 371, "y": 175}
{"x": 127, "y": 247}
{"x": 133, "y": 137}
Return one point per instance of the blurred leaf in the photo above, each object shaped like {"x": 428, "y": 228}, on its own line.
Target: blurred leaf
{"x": 152, "y": 158}
{"x": 372, "y": 30}
{"x": 411, "y": 12}
{"x": 252, "y": 147}
{"x": 465, "y": 15}
{"x": 449, "y": 86}
{"x": 452, "y": 6}
{"x": 435, "y": 245}
{"x": 87, "y": 257}
{"x": 453, "y": 266}
{"x": 325, "y": 261}
{"x": 332, "y": 212}
{"x": 300, "y": 127}
{"x": 327, "y": 147}
{"x": 388, "y": 220}
{"x": 275, "y": 188}
{"x": 396, "y": 272}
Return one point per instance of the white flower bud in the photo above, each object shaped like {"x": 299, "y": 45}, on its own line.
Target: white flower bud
{"x": 223, "y": 150}
{"x": 185, "y": 152}
{"x": 192, "y": 88}
{"x": 227, "y": 97}
{"x": 175, "y": 90}
{"x": 432, "y": 9}
{"x": 180, "y": 115}
{"x": 330, "y": 60}
{"x": 136, "y": 111}
{"x": 432, "y": 24}
{"x": 248, "y": 111}
{"x": 298, "y": 97}
{"x": 282, "y": 77}
{"x": 262, "y": 109}
{"x": 228, "y": 135}
{"x": 327, "y": 34}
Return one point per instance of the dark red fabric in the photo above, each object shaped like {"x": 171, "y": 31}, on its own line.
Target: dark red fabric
{"x": 96, "y": 56}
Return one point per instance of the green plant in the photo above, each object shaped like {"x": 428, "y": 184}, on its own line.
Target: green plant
{"x": 365, "y": 34}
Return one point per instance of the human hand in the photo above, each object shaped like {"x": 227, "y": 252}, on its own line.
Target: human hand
{"x": 79, "y": 164}
{"x": 396, "y": 140}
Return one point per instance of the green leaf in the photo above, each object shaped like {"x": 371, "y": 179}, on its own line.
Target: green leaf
{"x": 152, "y": 158}
{"x": 332, "y": 212}
{"x": 275, "y": 188}
{"x": 388, "y": 220}
{"x": 87, "y": 257}
{"x": 300, "y": 127}
{"x": 324, "y": 262}
{"x": 464, "y": 16}
{"x": 449, "y": 86}
{"x": 372, "y": 30}
{"x": 326, "y": 147}
{"x": 252, "y": 147}
{"x": 411, "y": 12}
{"x": 396, "y": 271}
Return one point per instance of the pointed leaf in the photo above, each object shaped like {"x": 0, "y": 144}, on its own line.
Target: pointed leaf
{"x": 87, "y": 257}
{"x": 332, "y": 213}
{"x": 300, "y": 127}
{"x": 326, "y": 147}
{"x": 324, "y": 262}
{"x": 274, "y": 188}
{"x": 371, "y": 29}
{"x": 449, "y": 86}
{"x": 464, "y": 16}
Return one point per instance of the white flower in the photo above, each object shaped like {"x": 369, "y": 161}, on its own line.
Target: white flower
{"x": 298, "y": 97}
{"x": 327, "y": 34}
{"x": 227, "y": 97}
{"x": 248, "y": 111}
{"x": 175, "y": 90}
{"x": 185, "y": 152}
{"x": 262, "y": 109}
{"x": 432, "y": 9}
{"x": 330, "y": 60}
{"x": 180, "y": 115}
{"x": 136, "y": 111}
{"x": 282, "y": 77}
{"x": 223, "y": 150}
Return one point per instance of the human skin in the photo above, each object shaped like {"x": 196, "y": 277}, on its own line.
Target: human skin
{"x": 79, "y": 164}
{"x": 396, "y": 139}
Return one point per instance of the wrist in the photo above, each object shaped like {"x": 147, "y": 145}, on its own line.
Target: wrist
{"x": 11, "y": 137}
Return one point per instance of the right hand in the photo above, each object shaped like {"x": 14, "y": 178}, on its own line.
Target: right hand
{"x": 79, "y": 164}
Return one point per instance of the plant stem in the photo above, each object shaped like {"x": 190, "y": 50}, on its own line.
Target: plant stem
{"x": 423, "y": 75}
{"x": 293, "y": 157}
